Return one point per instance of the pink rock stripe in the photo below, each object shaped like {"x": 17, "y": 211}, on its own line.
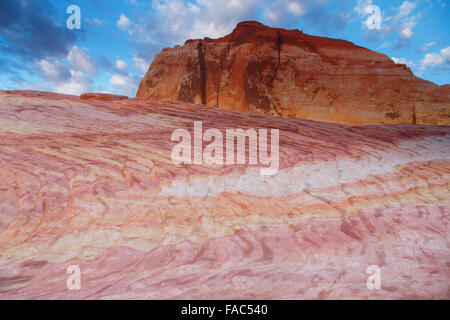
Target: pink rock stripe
{"x": 314, "y": 259}
{"x": 91, "y": 183}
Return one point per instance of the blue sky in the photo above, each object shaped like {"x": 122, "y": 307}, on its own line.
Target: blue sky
{"x": 118, "y": 39}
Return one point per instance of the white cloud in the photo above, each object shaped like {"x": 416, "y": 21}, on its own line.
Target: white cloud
{"x": 286, "y": 12}
{"x": 72, "y": 78}
{"x": 141, "y": 64}
{"x": 402, "y": 22}
{"x": 79, "y": 61}
{"x": 406, "y": 30}
{"x": 362, "y": 5}
{"x": 427, "y": 45}
{"x": 55, "y": 70}
{"x": 201, "y": 29}
{"x": 235, "y": 4}
{"x": 296, "y": 8}
{"x": 96, "y": 22}
{"x": 76, "y": 85}
{"x": 178, "y": 20}
{"x": 406, "y": 8}
{"x": 121, "y": 65}
{"x": 446, "y": 54}
{"x": 409, "y": 63}
{"x": 175, "y": 21}
{"x": 119, "y": 80}
{"x": 124, "y": 83}
{"x": 434, "y": 59}
{"x": 406, "y": 20}
{"x": 123, "y": 22}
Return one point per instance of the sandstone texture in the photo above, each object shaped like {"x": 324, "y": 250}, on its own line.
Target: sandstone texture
{"x": 291, "y": 74}
{"x": 91, "y": 183}
{"x": 101, "y": 96}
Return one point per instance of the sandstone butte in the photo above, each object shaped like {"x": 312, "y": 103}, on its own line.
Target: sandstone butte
{"x": 291, "y": 74}
{"x": 91, "y": 183}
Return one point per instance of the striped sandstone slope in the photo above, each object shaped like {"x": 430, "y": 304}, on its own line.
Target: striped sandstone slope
{"x": 91, "y": 183}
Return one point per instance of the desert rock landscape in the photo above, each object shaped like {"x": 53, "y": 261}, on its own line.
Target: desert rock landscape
{"x": 291, "y": 74}
{"x": 90, "y": 182}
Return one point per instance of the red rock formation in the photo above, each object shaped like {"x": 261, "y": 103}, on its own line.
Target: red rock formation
{"x": 291, "y": 74}
{"x": 102, "y": 96}
{"x": 91, "y": 183}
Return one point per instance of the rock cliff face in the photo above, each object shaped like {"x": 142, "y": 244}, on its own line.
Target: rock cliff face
{"x": 91, "y": 183}
{"x": 291, "y": 74}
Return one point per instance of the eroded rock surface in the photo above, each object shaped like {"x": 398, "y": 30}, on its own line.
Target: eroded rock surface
{"x": 292, "y": 74}
{"x": 91, "y": 183}
{"x": 102, "y": 96}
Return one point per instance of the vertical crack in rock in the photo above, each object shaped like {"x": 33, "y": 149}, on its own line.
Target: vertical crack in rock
{"x": 202, "y": 65}
{"x": 277, "y": 66}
